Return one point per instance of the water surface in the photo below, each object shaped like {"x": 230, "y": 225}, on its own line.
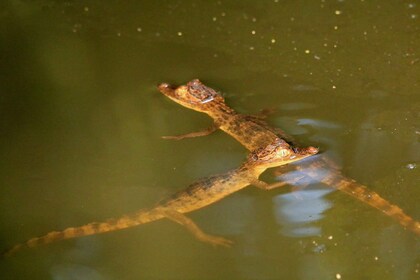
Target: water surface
{"x": 81, "y": 121}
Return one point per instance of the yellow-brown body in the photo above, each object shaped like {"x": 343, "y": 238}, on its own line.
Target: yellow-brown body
{"x": 198, "y": 195}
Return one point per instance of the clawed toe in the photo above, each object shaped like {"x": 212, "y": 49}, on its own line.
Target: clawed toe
{"x": 224, "y": 242}
{"x": 172, "y": 137}
{"x": 217, "y": 241}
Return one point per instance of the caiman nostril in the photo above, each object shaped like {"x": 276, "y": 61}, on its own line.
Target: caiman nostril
{"x": 163, "y": 86}
{"x": 312, "y": 150}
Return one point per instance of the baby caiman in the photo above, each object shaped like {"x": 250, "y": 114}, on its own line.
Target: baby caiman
{"x": 253, "y": 132}
{"x": 198, "y": 195}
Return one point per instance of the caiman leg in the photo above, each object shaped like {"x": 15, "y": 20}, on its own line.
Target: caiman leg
{"x": 265, "y": 186}
{"x": 205, "y": 132}
{"x": 195, "y": 230}
{"x": 263, "y": 114}
{"x": 322, "y": 162}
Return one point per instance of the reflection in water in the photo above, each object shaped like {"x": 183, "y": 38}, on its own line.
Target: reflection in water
{"x": 74, "y": 271}
{"x": 302, "y": 87}
{"x": 296, "y": 212}
{"x": 318, "y": 123}
{"x": 325, "y": 171}
{"x": 294, "y": 106}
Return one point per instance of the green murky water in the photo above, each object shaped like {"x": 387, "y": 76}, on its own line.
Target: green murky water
{"x": 81, "y": 121}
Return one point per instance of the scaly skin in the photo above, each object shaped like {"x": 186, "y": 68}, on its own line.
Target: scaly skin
{"x": 198, "y": 195}
{"x": 252, "y": 132}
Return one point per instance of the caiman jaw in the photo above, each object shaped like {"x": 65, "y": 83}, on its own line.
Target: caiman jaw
{"x": 301, "y": 153}
{"x": 174, "y": 93}
{"x": 308, "y": 151}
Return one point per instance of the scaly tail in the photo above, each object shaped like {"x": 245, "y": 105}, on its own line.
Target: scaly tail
{"x": 138, "y": 218}
{"x": 335, "y": 179}
{"x": 362, "y": 193}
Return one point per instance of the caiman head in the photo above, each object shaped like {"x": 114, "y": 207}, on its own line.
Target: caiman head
{"x": 193, "y": 95}
{"x": 278, "y": 153}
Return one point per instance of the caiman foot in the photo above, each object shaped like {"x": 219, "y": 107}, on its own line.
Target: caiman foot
{"x": 194, "y": 229}
{"x": 215, "y": 240}
{"x": 205, "y": 132}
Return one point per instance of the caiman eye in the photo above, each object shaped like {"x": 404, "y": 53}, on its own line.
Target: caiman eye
{"x": 201, "y": 97}
{"x": 200, "y": 94}
{"x": 284, "y": 152}
{"x": 207, "y": 99}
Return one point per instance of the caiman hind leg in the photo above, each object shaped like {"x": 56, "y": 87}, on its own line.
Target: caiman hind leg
{"x": 259, "y": 119}
{"x": 194, "y": 229}
{"x": 205, "y": 132}
{"x": 264, "y": 113}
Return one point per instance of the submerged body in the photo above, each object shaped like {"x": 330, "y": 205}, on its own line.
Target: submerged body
{"x": 253, "y": 132}
{"x": 198, "y": 195}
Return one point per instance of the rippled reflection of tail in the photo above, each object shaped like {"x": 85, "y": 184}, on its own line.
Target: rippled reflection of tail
{"x": 138, "y": 218}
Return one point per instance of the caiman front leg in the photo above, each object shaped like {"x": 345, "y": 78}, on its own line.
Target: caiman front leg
{"x": 265, "y": 186}
{"x": 268, "y": 187}
{"x": 205, "y": 132}
{"x": 194, "y": 229}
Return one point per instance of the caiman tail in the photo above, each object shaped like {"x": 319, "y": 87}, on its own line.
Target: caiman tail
{"x": 362, "y": 193}
{"x": 126, "y": 221}
{"x": 323, "y": 171}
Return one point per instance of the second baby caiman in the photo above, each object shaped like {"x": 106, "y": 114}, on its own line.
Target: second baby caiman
{"x": 198, "y": 195}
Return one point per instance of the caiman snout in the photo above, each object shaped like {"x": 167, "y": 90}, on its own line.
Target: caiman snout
{"x": 164, "y": 86}
{"x": 166, "y": 89}
{"x": 312, "y": 150}
{"x": 306, "y": 151}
